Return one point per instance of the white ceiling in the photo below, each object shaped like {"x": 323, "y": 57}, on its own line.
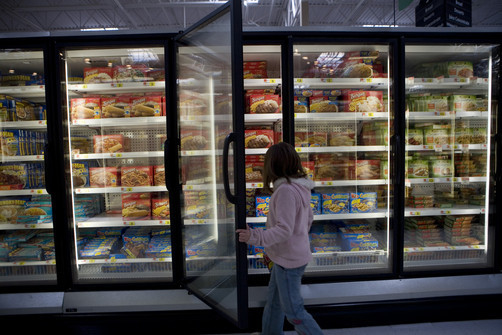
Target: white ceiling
{"x": 28, "y": 16}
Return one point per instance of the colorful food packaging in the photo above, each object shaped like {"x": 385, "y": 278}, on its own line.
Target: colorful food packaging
{"x": 255, "y": 69}
{"x": 317, "y": 139}
{"x": 96, "y": 75}
{"x": 146, "y": 106}
{"x": 131, "y": 176}
{"x": 463, "y": 103}
{"x": 316, "y": 203}
{"x": 160, "y": 207}
{"x": 441, "y": 168}
{"x": 258, "y": 138}
{"x": 261, "y": 205}
{"x": 80, "y": 174}
{"x": 125, "y": 73}
{"x": 193, "y": 139}
{"x": 301, "y": 104}
{"x": 108, "y": 143}
{"x": 261, "y": 104}
{"x": 363, "y": 202}
{"x": 136, "y": 206}
{"x": 104, "y": 177}
{"x": 323, "y": 104}
{"x": 85, "y": 108}
{"x": 119, "y": 106}
{"x": 335, "y": 203}
{"x": 14, "y": 176}
{"x": 364, "y": 101}
{"x": 414, "y": 136}
{"x": 159, "y": 175}
{"x": 418, "y": 169}
{"x": 460, "y": 69}
{"x": 365, "y": 169}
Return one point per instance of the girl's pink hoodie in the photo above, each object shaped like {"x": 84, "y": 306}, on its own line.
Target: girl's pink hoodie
{"x": 286, "y": 238}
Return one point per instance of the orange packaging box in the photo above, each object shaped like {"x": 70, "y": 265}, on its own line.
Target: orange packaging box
{"x": 96, "y": 75}
{"x": 131, "y": 176}
{"x": 125, "y": 73}
{"x": 146, "y": 106}
{"x": 136, "y": 206}
{"x": 109, "y": 143}
{"x": 264, "y": 103}
{"x": 116, "y": 107}
{"x": 104, "y": 177}
{"x": 258, "y": 138}
{"x": 85, "y": 108}
{"x": 194, "y": 139}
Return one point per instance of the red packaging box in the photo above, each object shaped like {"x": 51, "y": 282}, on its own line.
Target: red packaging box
{"x": 131, "y": 176}
{"x": 104, "y": 177}
{"x": 264, "y": 103}
{"x": 260, "y": 138}
{"x": 116, "y": 107}
{"x": 136, "y": 206}
{"x": 125, "y": 73}
{"x": 96, "y": 75}
{"x": 85, "y": 108}
{"x": 365, "y": 169}
{"x": 194, "y": 139}
{"x": 146, "y": 106}
{"x": 109, "y": 143}
{"x": 159, "y": 176}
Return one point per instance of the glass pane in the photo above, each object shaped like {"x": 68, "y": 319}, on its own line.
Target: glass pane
{"x": 263, "y": 127}
{"x": 27, "y": 253}
{"x": 343, "y": 122}
{"x": 205, "y": 114}
{"x": 448, "y": 160}
{"x": 115, "y": 111}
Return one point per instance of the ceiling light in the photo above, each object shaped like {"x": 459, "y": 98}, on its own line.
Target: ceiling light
{"x": 11, "y": 71}
{"x": 87, "y": 60}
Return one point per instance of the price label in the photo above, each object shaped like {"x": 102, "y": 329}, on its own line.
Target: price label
{"x": 116, "y": 155}
{"x": 431, "y": 180}
{"x": 329, "y": 183}
{"x": 299, "y": 80}
{"x": 327, "y": 80}
{"x": 129, "y": 223}
{"x": 189, "y": 187}
{"x": 298, "y": 149}
{"x": 257, "y": 185}
{"x": 270, "y": 81}
{"x": 84, "y": 86}
{"x": 113, "y": 260}
{"x": 415, "y": 213}
{"x": 366, "y": 80}
{"x": 438, "y": 148}
{"x": 445, "y": 212}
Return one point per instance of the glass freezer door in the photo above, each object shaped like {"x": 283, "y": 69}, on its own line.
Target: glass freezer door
{"x": 208, "y": 101}
{"x": 451, "y": 105}
{"x": 27, "y": 253}
{"x": 115, "y": 111}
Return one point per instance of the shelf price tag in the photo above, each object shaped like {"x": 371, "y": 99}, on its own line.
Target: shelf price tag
{"x": 445, "y": 212}
{"x": 327, "y": 80}
{"x": 329, "y": 183}
{"x": 129, "y": 223}
{"x": 298, "y": 149}
{"x": 189, "y": 187}
{"x": 126, "y": 189}
{"x": 299, "y": 80}
{"x": 438, "y": 148}
{"x": 366, "y": 80}
{"x": 269, "y": 81}
{"x": 415, "y": 213}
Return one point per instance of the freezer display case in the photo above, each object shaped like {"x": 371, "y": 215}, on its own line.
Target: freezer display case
{"x": 27, "y": 252}
{"x": 451, "y": 103}
{"x": 263, "y": 127}
{"x": 116, "y": 130}
{"x": 342, "y": 125}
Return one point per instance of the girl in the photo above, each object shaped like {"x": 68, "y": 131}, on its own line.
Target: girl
{"x": 286, "y": 240}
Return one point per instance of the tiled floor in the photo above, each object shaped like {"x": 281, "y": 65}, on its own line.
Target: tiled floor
{"x": 476, "y": 327}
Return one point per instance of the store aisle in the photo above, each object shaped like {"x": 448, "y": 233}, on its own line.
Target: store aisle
{"x": 478, "y": 327}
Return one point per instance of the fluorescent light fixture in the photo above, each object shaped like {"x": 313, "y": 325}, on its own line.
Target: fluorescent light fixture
{"x": 99, "y": 29}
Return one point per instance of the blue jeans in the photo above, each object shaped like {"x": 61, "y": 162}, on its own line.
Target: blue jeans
{"x": 284, "y": 300}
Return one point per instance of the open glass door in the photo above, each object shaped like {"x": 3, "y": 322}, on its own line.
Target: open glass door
{"x": 210, "y": 86}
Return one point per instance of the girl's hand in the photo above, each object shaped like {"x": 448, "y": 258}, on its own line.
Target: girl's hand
{"x": 244, "y": 234}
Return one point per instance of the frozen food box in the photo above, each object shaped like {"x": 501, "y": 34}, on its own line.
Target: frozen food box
{"x": 258, "y": 138}
{"x": 11, "y": 142}
{"x": 309, "y": 168}
{"x": 301, "y": 104}
{"x": 261, "y": 205}
{"x": 125, "y": 73}
{"x": 342, "y": 138}
{"x": 85, "y": 108}
{"x": 463, "y": 135}
{"x": 159, "y": 175}
{"x": 317, "y": 139}
{"x": 460, "y": 69}
{"x": 414, "y": 136}
{"x": 160, "y": 207}
{"x": 131, "y": 176}
{"x": 418, "y": 168}
{"x": 96, "y": 75}
{"x": 11, "y": 208}
{"x": 108, "y": 143}
{"x": 363, "y": 202}
{"x": 437, "y": 103}
{"x": 478, "y": 136}
{"x": 146, "y": 106}
{"x": 364, "y": 101}
{"x": 255, "y": 69}
{"x": 316, "y": 203}
{"x": 441, "y": 168}
{"x": 80, "y": 174}
{"x": 301, "y": 139}
{"x": 119, "y": 106}
{"x": 365, "y": 169}
{"x": 194, "y": 139}
{"x": 14, "y": 176}
{"x": 136, "y": 206}
{"x": 435, "y": 136}
{"x": 463, "y": 103}
{"x": 356, "y": 244}
{"x": 323, "y": 104}
{"x": 335, "y": 203}
{"x": 261, "y": 104}
{"x": 104, "y": 177}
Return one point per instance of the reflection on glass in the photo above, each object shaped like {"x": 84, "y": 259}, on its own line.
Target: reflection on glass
{"x": 116, "y": 114}
{"x": 448, "y": 160}
{"x": 26, "y": 227}
{"x": 205, "y": 114}
{"x": 342, "y": 128}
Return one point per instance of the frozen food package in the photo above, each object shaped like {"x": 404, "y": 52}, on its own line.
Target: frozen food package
{"x": 258, "y": 138}
{"x": 194, "y": 139}
{"x": 131, "y": 176}
{"x": 135, "y": 72}
{"x": 108, "y": 143}
{"x": 335, "y": 203}
{"x": 363, "y": 202}
{"x": 85, "y": 108}
{"x": 262, "y": 203}
{"x": 364, "y": 101}
{"x": 460, "y": 69}
{"x": 146, "y": 106}
{"x": 80, "y": 174}
{"x": 104, "y": 177}
{"x": 264, "y": 103}
{"x": 414, "y": 136}
{"x": 159, "y": 175}
{"x": 96, "y": 75}
{"x": 136, "y": 206}
{"x": 160, "y": 207}
{"x": 119, "y": 106}
{"x": 14, "y": 176}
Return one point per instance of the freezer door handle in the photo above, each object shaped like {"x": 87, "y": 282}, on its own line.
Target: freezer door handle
{"x": 47, "y": 169}
{"x": 228, "y": 139}
{"x": 166, "y": 152}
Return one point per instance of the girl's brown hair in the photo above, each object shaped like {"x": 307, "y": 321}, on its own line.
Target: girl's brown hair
{"x": 281, "y": 161}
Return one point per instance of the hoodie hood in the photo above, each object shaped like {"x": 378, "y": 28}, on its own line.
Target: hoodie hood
{"x": 305, "y": 182}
